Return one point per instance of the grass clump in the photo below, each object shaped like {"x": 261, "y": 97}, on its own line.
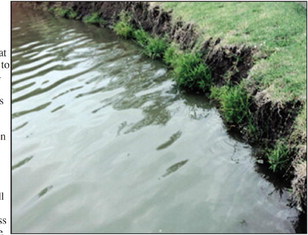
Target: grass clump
{"x": 278, "y": 157}
{"x": 142, "y": 37}
{"x": 94, "y": 18}
{"x": 123, "y": 27}
{"x": 71, "y": 14}
{"x": 191, "y": 73}
{"x": 63, "y": 12}
{"x": 155, "y": 48}
{"x": 60, "y": 11}
{"x": 170, "y": 55}
{"x": 234, "y": 102}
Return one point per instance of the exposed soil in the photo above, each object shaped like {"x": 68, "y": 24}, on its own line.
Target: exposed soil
{"x": 274, "y": 118}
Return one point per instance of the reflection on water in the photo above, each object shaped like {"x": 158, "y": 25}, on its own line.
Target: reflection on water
{"x": 104, "y": 143}
{"x": 171, "y": 140}
{"x": 45, "y": 190}
{"x": 22, "y": 162}
{"x": 175, "y": 167}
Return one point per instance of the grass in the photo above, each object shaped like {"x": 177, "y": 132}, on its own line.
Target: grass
{"x": 191, "y": 73}
{"x": 94, "y": 18}
{"x": 72, "y": 14}
{"x": 155, "y": 47}
{"x": 234, "y": 103}
{"x": 142, "y": 37}
{"x": 170, "y": 55}
{"x": 278, "y": 29}
{"x": 278, "y": 157}
{"x": 64, "y": 12}
{"x": 189, "y": 69}
{"x": 123, "y": 27}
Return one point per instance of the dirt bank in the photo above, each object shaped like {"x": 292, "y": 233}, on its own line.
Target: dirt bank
{"x": 272, "y": 118}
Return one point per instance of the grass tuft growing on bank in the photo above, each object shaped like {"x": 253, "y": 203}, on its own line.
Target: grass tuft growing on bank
{"x": 191, "y": 73}
{"x": 171, "y": 54}
{"x": 72, "y": 14}
{"x": 155, "y": 47}
{"x": 278, "y": 157}
{"x": 234, "y": 103}
{"x": 94, "y": 18}
{"x": 64, "y": 12}
{"x": 142, "y": 37}
{"x": 123, "y": 27}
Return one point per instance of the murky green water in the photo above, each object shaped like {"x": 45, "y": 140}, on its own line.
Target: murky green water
{"x": 103, "y": 142}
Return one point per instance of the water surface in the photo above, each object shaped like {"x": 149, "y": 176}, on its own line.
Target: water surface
{"x": 103, "y": 142}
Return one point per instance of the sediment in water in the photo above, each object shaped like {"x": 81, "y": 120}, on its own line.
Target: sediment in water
{"x": 229, "y": 64}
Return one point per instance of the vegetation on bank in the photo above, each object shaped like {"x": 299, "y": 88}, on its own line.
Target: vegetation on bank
{"x": 141, "y": 37}
{"x": 153, "y": 47}
{"x": 234, "y": 103}
{"x": 192, "y": 74}
{"x": 276, "y": 29}
{"x": 189, "y": 70}
{"x": 93, "y": 18}
{"x": 63, "y": 12}
{"x": 123, "y": 28}
{"x": 278, "y": 157}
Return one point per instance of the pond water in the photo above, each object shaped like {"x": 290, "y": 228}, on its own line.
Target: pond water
{"x": 104, "y": 142}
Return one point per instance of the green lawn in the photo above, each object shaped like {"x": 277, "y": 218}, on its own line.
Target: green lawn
{"x": 277, "y": 29}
